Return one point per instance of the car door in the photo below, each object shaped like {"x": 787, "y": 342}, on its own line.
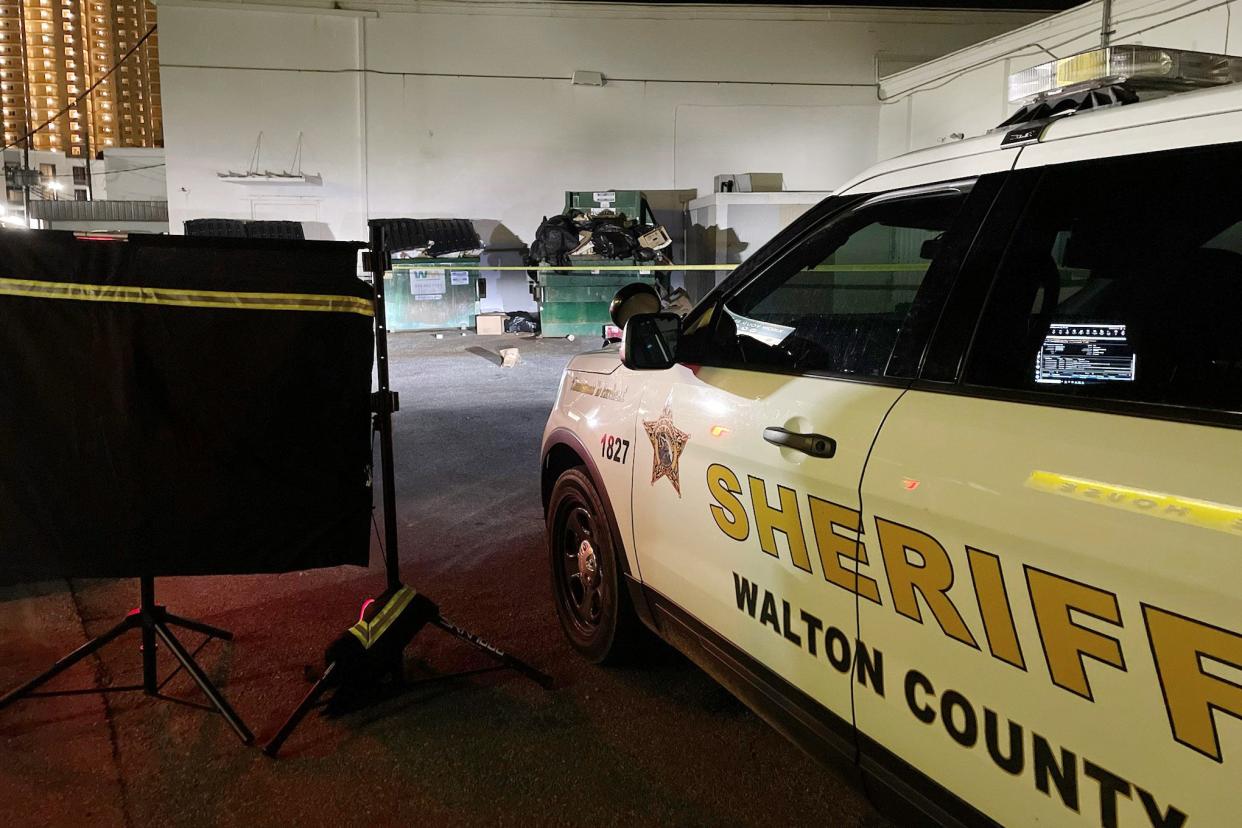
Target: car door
{"x": 745, "y": 497}
{"x": 1058, "y": 526}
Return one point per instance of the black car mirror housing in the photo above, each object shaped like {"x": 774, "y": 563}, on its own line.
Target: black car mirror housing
{"x": 650, "y": 342}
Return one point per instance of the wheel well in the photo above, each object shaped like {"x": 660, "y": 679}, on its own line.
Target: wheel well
{"x": 561, "y": 458}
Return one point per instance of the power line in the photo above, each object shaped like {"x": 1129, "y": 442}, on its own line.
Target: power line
{"x": 483, "y": 76}
{"x": 113, "y": 172}
{"x": 84, "y": 95}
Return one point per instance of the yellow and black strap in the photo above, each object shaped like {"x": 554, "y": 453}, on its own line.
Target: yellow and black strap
{"x": 369, "y": 632}
{"x": 185, "y": 298}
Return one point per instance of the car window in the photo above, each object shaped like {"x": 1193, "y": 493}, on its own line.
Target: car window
{"x": 837, "y": 302}
{"x": 1123, "y": 281}
{"x": 827, "y": 208}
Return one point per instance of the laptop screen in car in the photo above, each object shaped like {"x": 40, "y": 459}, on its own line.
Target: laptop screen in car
{"x": 1083, "y": 353}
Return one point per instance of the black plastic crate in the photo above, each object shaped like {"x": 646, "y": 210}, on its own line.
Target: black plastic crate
{"x": 438, "y": 236}
{"x": 287, "y": 230}
{"x": 218, "y": 228}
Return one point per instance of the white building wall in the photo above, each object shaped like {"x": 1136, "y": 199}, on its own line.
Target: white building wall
{"x": 130, "y": 174}
{"x": 966, "y": 92}
{"x": 465, "y": 108}
{"x": 230, "y": 74}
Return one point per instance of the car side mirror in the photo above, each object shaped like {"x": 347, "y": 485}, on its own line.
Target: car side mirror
{"x": 650, "y": 342}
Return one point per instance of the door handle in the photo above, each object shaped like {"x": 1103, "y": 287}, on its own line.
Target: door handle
{"x": 816, "y": 445}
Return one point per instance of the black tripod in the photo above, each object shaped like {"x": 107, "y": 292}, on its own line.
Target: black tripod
{"x": 154, "y": 622}
{"x": 388, "y": 657}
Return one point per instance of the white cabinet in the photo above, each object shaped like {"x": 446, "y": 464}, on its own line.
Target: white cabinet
{"x": 727, "y": 228}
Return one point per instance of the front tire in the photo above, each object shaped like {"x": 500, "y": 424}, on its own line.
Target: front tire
{"x": 587, "y": 586}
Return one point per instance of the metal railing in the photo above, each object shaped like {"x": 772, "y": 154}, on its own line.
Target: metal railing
{"x": 65, "y": 210}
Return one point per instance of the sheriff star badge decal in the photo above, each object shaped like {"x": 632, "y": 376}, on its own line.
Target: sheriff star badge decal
{"x": 667, "y": 443}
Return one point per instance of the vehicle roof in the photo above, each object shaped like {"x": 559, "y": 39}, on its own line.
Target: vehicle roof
{"x": 1148, "y": 126}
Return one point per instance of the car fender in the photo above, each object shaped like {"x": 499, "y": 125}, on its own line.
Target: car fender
{"x": 590, "y": 409}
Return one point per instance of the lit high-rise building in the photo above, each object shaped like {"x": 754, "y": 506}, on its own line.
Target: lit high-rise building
{"x": 70, "y": 44}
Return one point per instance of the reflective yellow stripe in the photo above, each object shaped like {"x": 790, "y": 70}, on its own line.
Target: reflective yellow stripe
{"x": 184, "y": 298}
{"x": 368, "y": 632}
{"x": 398, "y": 603}
{"x": 1220, "y": 517}
{"x": 360, "y": 632}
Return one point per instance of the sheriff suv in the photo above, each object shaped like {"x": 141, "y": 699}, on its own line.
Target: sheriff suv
{"x": 947, "y": 478}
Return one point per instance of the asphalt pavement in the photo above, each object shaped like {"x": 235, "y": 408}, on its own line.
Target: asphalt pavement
{"x": 655, "y": 743}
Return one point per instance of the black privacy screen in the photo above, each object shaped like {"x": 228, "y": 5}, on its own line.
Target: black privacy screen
{"x": 181, "y": 406}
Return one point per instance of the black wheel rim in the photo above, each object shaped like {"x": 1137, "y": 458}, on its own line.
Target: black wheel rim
{"x": 576, "y": 545}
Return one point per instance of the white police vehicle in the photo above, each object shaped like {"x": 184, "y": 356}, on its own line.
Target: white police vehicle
{"x": 946, "y": 480}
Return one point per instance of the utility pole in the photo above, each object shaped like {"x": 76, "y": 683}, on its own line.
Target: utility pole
{"x": 21, "y": 27}
{"x": 87, "y": 111}
{"x": 86, "y": 153}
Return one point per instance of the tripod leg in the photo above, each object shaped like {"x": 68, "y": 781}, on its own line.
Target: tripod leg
{"x": 203, "y": 682}
{"x": 150, "y": 682}
{"x": 542, "y": 679}
{"x": 295, "y": 718}
{"x": 67, "y": 662}
{"x": 197, "y": 626}
{"x": 148, "y": 612}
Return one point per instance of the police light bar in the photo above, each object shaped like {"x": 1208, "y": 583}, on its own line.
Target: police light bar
{"x": 1143, "y": 67}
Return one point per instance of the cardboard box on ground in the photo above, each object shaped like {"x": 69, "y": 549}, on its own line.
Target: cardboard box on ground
{"x": 490, "y": 324}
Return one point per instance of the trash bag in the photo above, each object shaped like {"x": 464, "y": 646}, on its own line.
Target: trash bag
{"x": 606, "y": 235}
{"x": 554, "y": 239}
{"x": 521, "y": 322}
{"x": 612, "y": 240}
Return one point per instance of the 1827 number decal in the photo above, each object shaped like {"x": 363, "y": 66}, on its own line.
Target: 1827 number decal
{"x": 614, "y": 448}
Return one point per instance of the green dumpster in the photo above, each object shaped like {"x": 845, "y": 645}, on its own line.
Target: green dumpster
{"x": 431, "y": 294}
{"x": 577, "y": 302}
{"x": 631, "y": 203}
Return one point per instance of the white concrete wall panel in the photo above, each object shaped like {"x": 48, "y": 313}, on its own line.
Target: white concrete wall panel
{"x": 130, "y": 174}
{"x": 279, "y": 105}
{"x": 465, "y": 109}
{"x": 210, "y": 34}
